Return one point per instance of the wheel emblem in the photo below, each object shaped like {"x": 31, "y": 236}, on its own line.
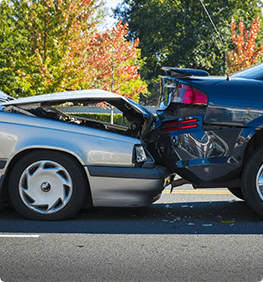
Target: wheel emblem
{"x": 45, "y": 187}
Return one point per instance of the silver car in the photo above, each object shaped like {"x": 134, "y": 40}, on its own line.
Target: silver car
{"x": 53, "y": 164}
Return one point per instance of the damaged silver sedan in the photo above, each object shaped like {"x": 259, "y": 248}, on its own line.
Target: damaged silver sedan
{"x": 53, "y": 164}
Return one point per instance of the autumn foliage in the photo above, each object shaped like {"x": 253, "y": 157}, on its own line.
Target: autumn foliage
{"x": 113, "y": 63}
{"x": 66, "y": 51}
{"x": 245, "y": 52}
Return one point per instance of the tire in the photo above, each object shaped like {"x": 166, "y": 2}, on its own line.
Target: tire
{"x": 47, "y": 185}
{"x": 252, "y": 182}
{"x": 236, "y": 192}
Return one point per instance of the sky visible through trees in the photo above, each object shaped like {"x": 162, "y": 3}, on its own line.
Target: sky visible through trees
{"x": 39, "y": 53}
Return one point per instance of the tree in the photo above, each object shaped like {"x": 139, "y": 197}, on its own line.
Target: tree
{"x": 245, "y": 52}
{"x": 178, "y": 33}
{"x": 63, "y": 50}
{"x": 13, "y": 50}
{"x": 114, "y": 63}
{"x": 57, "y": 33}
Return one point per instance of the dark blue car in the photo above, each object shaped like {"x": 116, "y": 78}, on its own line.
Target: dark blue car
{"x": 210, "y": 130}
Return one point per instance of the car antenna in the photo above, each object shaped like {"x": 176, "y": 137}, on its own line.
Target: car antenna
{"x": 218, "y": 34}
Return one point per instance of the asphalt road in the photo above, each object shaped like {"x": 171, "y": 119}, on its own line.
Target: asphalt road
{"x": 189, "y": 235}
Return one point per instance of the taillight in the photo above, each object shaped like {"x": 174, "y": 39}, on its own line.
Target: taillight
{"x": 180, "y": 125}
{"x": 189, "y": 95}
{"x": 176, "y": 123}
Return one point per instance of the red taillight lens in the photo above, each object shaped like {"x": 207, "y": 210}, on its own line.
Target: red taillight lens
{"x": 179, "y": 128}
{"x": 189, "y": 95}
{"x": 175, "y": 123}
{"x": 180, "y": 125}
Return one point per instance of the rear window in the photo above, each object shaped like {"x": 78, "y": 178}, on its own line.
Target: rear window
{"x": 255, "y": 72}
{"x": 168, "y": 88}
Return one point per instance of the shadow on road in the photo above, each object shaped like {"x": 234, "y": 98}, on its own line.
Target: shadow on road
{"x": 217, "y": 217}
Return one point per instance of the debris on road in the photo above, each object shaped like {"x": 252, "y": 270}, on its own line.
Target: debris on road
{"x": 228, "y": 221}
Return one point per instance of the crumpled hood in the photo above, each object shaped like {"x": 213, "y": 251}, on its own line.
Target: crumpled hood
{"x": 88, "y": 96}
{"x": 133, "y": 111}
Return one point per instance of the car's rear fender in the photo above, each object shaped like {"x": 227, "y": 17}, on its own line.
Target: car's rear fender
{"x": 249, "y": 139}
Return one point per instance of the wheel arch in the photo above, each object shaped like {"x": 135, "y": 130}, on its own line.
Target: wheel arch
{"x": 253, "y": 144}
{"x": 21, "y": 154}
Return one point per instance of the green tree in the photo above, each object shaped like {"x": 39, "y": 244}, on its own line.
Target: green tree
{"x": 54, "y": 46}
{"x": 178, "y": 32}
{"x": 54, "y": 35}
{"x": 13, "y": 51}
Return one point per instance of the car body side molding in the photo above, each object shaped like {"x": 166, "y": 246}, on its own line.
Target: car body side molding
{"x": 124, "y": 172}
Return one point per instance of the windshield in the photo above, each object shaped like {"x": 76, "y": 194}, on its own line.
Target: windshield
{"x": 255, "y": 72}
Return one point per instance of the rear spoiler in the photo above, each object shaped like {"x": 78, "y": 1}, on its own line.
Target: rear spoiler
{"x": 177, "y": 72}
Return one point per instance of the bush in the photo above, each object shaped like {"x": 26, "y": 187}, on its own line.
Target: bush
{"x": 117, "y": 118}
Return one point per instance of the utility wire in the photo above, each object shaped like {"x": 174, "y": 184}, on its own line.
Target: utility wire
{"x": 222, "y": 42}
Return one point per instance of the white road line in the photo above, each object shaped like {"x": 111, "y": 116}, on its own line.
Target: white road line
{"x": 20, "y": 236}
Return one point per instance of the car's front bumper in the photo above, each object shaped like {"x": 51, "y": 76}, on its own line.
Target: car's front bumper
{"x": 126, "y": 187}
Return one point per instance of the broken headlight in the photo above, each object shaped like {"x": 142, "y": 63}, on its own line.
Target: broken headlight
{"x": 140, "y": 155}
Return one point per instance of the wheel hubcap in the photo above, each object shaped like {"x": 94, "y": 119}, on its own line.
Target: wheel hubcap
{"x": 259, "y": 182}
{"x": 45, "y": 187}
